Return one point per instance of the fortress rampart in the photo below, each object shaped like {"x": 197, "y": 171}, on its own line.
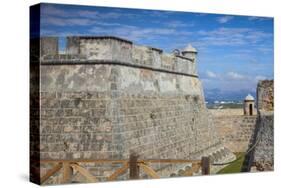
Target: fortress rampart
{"x": 116, "y": 51}
{"x": 106, "y": 97}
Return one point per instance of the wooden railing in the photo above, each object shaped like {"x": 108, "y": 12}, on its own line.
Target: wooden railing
{"x": 134, "y": 165}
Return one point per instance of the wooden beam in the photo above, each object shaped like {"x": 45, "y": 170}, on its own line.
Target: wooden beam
{"x": 169, "y": 161}
{"x": 67, "y": 172}
{"x": 84, "y": 172}
{"x": 148, "y": 170}
{"x": 118, "y": 172}
{"x": 51, "y": 172}
{"x": 119, "y": 161}
{"x": 84, "y": 160}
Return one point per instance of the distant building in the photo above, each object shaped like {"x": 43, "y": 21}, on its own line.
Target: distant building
{"x": 249, "y": 105}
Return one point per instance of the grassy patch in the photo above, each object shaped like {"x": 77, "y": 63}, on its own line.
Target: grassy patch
{"x": 234, "y": 167}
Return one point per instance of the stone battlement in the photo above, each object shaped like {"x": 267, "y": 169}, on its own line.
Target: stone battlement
{"x": 114, "y": 50}
{"x": 107, "y": 97}
{"x": 265, "y": 95}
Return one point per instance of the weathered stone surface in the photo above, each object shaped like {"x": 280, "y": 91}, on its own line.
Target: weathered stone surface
{"x": 265, "y": 95}
{"x": 263, "y": 155}
{"x": 107, "y": 110}
{"x": 49, "y": 46}
{"x": 264, "y": 151}
{"x": 113, "y": 50}
{"x": 235, "y": 129}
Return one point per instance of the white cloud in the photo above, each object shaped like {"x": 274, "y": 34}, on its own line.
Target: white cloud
{"x": 104, "y": 15}
{"x": 54, "y": 12}
{"x": 205, "y": 80}
{"x": 88, "y": 14}
{"x": 131, "y": 32}
{"x": 137, "y": 33}
{"x": 260, "y": 77}
{"x": 224, "y": 19}
{"x": 158, "y": 13}
{"x": 231, "y": 37}
{"x": 50, "y": 10}
{"x": 176, "y": 24}
{"x": 67, "y": 21}
{"x": 235, "y": 76}
{"x": 265, "y": 50}
{"x": 211, "y": 74}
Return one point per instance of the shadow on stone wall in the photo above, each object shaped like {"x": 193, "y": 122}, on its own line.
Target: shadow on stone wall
{"x": 249, "y": 156}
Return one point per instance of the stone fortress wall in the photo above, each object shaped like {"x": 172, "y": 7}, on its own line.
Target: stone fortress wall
{"x": 113, "y": 50}
{"x": 263, "y": 155}
{"x": 107, "y": 97}
{"x": 265, "y": 96}
{"x": 235, "y": 129}
{"x": 242, "y": 133}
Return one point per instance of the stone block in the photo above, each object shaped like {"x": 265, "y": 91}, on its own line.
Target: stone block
{"x": 48, "y": 46}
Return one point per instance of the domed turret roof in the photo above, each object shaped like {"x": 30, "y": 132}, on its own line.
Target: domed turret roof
{"x": 249, "y": 98}
{"x": 190, "y": 48}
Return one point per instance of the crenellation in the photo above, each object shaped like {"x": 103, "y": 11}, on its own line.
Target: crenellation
{"x": 265, "y": 95}
{"x": 49, "y": 46}
{"x": 114, "y": 50}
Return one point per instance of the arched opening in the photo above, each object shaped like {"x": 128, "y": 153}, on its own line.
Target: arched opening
{"x": 251, "y": 109}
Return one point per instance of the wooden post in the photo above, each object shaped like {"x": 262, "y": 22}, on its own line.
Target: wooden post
{"x": 67, "y": 173}
{"x": 205, "y": 164}
{"x": 133, "y": 166}
{"x": 51, "y": 172}
{"x": 84, "y": 172}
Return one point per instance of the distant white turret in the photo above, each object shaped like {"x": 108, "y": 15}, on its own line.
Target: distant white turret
{"x": 249, "y": 105}
{"x": 249, "y": 97}
{"x": 189, "y": 52}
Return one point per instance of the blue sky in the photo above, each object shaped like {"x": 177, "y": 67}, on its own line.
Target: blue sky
{"x": 234, "y": 51}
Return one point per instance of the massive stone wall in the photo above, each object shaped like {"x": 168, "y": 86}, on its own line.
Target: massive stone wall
{"x": 263, "y": 155}
{"x": 263, "y": 158}
{"x": 133, "y": 101}
{"x": 110, "y": 97}
{"x": 265, "y": 95}
{"x": 235, "y": 129}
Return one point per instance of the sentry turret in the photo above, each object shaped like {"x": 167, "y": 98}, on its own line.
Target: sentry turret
{"x": 190, "y": 52}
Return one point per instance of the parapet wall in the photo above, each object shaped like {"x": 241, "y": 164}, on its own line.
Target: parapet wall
{"x": 107, "y": 49}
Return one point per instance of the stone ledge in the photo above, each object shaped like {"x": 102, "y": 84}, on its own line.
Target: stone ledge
{"x": 105, "y": 62}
